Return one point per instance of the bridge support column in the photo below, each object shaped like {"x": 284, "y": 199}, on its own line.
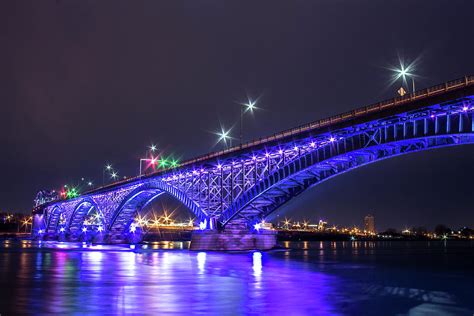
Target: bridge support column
{"x": 39, "y": 226}
{"x": 234, "y": 237}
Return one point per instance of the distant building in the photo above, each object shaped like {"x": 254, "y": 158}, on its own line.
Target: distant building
{"x": 369, "y": 223}
{"x": 266, "y": 225}
{"x": 322, "y": 224}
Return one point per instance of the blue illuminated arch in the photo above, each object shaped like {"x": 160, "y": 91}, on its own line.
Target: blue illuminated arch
{"x": 53, "y": 220}
{"x": 140, "y": 198}
{"x": 77, "y": 217}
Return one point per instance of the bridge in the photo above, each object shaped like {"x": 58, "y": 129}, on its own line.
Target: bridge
{"x": 231, "y": 191}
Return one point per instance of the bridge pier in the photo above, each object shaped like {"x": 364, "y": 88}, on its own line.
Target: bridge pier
{"x": 38, "y": 226}
{"x": 233, "y": 238}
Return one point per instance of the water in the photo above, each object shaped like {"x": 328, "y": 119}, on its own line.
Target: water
{"x": 317, "y": 278}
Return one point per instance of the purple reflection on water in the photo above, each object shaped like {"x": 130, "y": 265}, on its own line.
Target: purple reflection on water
{"x": 313, "y": 278}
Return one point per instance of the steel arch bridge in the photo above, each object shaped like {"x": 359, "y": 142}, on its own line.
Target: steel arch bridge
{"x": 244, "y": 184}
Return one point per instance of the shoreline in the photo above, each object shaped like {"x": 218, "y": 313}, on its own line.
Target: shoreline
{"x": 287, "y": 237}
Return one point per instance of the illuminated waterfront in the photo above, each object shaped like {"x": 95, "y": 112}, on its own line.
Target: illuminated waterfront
{"x": 336, "y": 278}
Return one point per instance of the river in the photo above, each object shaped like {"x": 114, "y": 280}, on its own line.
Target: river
{"x": 302, "y": 278}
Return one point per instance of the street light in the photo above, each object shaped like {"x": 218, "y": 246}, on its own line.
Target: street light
{"x": 245, "y": 107}
{"x": 404, "y": 72}
{"x": 114, "y": 175}
{"x": 224, "y": 136}
{"x": 152, "y": 161}
{"x": 108, "y": 167}
{"x": 26, "y": 222}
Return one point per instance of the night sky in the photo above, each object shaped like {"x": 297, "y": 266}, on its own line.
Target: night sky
{"x": 83, "y": 83}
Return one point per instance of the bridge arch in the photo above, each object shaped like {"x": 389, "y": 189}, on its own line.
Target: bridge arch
{"x": 79, "y": 214}
{"x": 139, "y": 198}
{"x": 53, "y": 219}
{"x": 322, "y": 164}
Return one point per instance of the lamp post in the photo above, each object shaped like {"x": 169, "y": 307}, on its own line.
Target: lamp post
{"x": 108, "y": 167}
{"x": 224, "y": 136}
{"x": 250, "y": 106}
{"x": 114, "y": 175}
{"x": 404, "y": 72}
{"x": 151, "y": 150}
{"x": 152, "y": 160}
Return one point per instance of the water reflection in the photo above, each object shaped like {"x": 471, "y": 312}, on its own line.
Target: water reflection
{"x": 257, "y": 270}
{"x": 201, "y": 261}
{"x": 311, "y": 278}
{"x": 257, "y": 264}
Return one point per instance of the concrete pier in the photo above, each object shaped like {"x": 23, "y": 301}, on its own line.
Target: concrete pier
{"x": 235, "y": 237}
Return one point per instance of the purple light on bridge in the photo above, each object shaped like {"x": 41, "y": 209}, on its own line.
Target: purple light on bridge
{"x": 84, "y": 229}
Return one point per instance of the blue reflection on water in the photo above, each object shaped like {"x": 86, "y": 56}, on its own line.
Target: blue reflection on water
{"x": 201, "y": 261}
{"x": 313, "y": 278}
{"x": 257, "y": 264}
